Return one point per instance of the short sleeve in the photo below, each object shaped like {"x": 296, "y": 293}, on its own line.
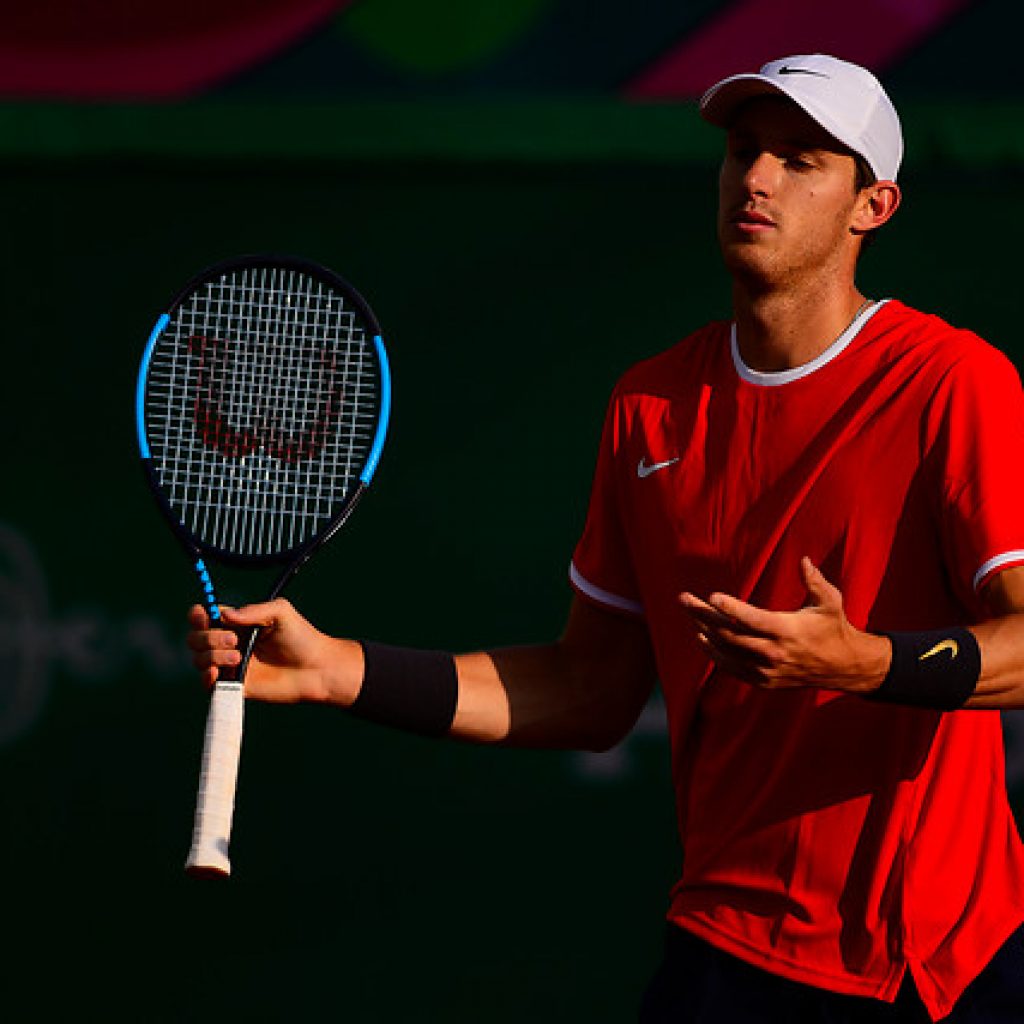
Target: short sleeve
{"x": 601, "y": 569}
{"x": 979, "y": 430}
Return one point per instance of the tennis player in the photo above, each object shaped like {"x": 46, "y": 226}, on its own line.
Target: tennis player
{"x": 808, "y": 522}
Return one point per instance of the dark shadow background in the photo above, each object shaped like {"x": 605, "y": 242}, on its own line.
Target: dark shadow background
{"x": 378, "y": 877}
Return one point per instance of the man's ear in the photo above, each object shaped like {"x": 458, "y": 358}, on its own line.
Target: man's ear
{"x": 875, "y": 205}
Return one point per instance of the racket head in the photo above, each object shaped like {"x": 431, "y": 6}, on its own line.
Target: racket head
{"x": 262, "y": 404}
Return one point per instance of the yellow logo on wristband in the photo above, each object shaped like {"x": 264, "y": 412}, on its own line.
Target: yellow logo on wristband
{"x": 945, "y": 645}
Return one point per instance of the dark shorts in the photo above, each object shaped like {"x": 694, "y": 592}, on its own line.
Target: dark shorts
{"x": 698, "y": 984}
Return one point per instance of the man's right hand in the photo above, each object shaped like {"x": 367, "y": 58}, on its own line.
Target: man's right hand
{"x": 292, "y": 660}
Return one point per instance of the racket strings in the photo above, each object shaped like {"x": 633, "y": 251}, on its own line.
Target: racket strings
{"x": 261, "y": 405}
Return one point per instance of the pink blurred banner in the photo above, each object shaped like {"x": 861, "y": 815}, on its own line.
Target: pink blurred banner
{"x": 750, "y": 32}
{"x": 96, "y": 49}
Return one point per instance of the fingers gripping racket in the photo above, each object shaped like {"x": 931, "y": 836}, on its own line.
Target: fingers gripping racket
{"x": 261, "y": 406}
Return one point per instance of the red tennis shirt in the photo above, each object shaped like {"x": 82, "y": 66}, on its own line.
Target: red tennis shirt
{"x": 833, "y": 840}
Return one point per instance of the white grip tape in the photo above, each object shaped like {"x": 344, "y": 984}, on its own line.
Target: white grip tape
{"x": 218, "y": 774}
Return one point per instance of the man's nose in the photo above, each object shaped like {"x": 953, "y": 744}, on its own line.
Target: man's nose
{"x": 761, "y": 174}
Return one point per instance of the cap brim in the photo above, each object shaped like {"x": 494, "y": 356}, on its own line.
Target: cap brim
{"x": 718, "y": 105}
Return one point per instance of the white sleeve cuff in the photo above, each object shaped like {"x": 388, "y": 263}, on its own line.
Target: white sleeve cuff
{"x": 605, "y": 597}
{"x": 999, "y": 562}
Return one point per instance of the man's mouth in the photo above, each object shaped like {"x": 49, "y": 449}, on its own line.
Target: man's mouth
{"x": 753, "y": 220}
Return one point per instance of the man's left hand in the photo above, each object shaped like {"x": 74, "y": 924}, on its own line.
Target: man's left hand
{"x": 813, "y": 646}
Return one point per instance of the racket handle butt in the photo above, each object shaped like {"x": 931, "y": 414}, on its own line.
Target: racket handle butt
{"x": 208, "y": 857}
{"x": 215, "y": 798}
{"x": 211, "y": 863}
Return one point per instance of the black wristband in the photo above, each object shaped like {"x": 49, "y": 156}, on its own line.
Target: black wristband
{"x": 937, "y": 669}
{"x": 408, "y": 689}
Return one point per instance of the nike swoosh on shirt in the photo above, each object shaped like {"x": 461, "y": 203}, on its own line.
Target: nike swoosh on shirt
{"x": 945, "y": 645}
{"x": 644, "y": 470}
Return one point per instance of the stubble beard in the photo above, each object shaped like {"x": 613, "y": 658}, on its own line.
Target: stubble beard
{"x": 759, "y": 266}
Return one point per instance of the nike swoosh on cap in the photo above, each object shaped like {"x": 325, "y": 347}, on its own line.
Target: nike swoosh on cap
{"x": 801, "y": 71}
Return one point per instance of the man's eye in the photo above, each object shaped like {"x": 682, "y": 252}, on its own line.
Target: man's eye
{"x": 799, "y": 163}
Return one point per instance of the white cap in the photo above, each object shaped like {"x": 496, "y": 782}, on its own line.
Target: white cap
{"x": 845, "y": 99}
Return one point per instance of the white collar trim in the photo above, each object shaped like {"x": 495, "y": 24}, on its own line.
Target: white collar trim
{"x": 772, "y": 378}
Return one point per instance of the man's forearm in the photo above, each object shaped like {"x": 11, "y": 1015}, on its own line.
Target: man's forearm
{"x": 1001, "y": 685}
{"x": 538, "y": 697}
{"x": 582, "y": 692}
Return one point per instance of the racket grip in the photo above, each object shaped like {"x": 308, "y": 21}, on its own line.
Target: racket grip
{"x": 218, "y": 774}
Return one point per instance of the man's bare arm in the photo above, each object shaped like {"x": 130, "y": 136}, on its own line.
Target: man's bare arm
{"x": 584, "y": 691}
{"x": 1001, "y": 639}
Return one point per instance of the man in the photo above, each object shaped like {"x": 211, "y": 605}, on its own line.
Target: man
{"x": 794, "y": 518}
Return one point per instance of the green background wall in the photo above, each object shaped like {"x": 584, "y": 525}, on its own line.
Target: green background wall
{"x": 379, "y": 878}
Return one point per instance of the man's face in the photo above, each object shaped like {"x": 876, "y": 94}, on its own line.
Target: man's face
{"x": 786, "y": 196}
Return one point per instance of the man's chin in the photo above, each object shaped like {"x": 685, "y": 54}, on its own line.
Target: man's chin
{"x": 748, "y": 262}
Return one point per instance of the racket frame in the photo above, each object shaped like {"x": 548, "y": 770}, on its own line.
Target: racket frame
{"x": 301, "y": 554}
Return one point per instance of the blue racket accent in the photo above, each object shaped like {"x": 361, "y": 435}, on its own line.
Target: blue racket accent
{"x": 207, "y": 584}
{"x": 385, "y": 412}
{"x": 140, "y": 387}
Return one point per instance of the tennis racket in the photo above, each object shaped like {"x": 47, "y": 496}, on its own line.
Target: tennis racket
{"x": 262, "y": 405}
